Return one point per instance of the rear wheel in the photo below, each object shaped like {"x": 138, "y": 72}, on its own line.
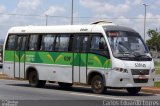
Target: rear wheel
{"x": 97, "y": 84}
{"x": 65, "y": 85}
{"x": 133, "y": 90}
{"x": 34, "y": 80}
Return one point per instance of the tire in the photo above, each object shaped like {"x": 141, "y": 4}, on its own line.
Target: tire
{"x": 97, "y": 84}
{"x": 34, "y": 80}
{"x": 65, "y": 85}
{"x": 133, "y": 90}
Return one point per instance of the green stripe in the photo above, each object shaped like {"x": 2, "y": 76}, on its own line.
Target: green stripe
{"x": 59, "y": 58}
{"x": 9, "y": 56}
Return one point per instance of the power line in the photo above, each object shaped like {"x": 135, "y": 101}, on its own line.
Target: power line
{"x": 85, "y": 17}
{"x": 15, "y": 14}
{"x": 31, "y": 15}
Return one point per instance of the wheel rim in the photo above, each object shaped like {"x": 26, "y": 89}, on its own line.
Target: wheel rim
{"x": 97, "y": 85}
{"x": 33, "y": 78}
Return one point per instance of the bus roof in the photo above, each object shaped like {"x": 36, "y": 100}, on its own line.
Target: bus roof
{"x": 67, "y": 28}
{"x": 56, "y": 28}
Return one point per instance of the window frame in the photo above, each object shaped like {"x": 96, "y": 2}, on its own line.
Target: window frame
{"x": 45, "y": 34}
{"x": 69, "y": 49}
{"x": 38, "y": 40}
{"x": 6, "y": 46}
{"x": 81, "y": 43}
{"x": 90, "y": 50}
{"x": 70, "y": 43}
{"x": 18, "y": 45}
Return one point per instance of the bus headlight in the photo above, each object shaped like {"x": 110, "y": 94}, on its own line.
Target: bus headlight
{"x": 153, "y": 70}
{"x": 120, "y": 69}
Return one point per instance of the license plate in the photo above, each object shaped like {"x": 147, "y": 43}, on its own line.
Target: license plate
{"x": 142, "y": 77}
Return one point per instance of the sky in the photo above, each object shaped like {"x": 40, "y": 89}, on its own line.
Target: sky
{"x": 128, "y": 13}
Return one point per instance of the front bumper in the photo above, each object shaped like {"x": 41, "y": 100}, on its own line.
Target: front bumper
{"x": 119, "y": 79}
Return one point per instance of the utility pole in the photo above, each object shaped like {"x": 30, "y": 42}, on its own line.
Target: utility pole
{"x": 145, "y": 9}
{"x": 46, "y": 19}
{"x": 72, "y": 13}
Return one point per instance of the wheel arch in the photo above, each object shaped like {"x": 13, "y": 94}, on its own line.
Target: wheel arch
{"x": 94, "y": 73}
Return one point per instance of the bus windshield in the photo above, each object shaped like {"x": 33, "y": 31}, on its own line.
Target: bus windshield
{"x": 124, "y": 43}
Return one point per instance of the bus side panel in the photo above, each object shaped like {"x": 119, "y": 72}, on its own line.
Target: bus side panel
{"x": 44, "y": 71}
{"x": 22, "y": 64}
{"x": 17, "y": 64}
{"x": 9, "y": 63}
{"x": 95, "y": 60}
{"x": 52, "y": 66}
{"x": 40, "y": 61}
{"x": 98, "y": 63}
{"x": 76, "y": 68}
{"x": 83, "y": 68}
{"x": 80, "y": 67}
{"x": 63, "y": 66}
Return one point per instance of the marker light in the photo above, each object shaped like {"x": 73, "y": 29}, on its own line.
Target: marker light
{"x": 120, "y": 70}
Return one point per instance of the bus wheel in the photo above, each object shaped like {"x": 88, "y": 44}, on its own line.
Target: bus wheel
{"x": 34, "y": 80}
{"x": 65, "y": 85}
{"x": 97, "y": 84}
{"x": 133, "y": 90}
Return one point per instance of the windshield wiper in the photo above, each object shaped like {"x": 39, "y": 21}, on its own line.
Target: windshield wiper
{"x": 128, "y": 54}
{"x": 138, "y": 54}
{"x": 145, "y": 56}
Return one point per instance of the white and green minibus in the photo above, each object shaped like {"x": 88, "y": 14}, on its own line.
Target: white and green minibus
{"x": 102, "y": 55}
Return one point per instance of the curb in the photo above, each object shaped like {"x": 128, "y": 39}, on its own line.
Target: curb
{"x": 3, "y": 76}
{"x": 153, "y": 90}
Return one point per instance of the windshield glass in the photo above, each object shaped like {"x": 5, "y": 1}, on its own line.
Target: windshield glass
{"x": 123, "y": 43}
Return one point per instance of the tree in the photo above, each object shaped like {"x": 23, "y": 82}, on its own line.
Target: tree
{"x": 154, "y": 42}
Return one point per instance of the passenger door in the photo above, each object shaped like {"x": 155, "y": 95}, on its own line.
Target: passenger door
{"x": 19, "y": 57}
{"x": 80, "y": 58}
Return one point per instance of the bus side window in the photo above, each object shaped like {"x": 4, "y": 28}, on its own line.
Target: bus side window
{"x": 98, "y": 45}
{"x": 47, "y": 43}
{"x": 76, "y": 44}
{"x": 18, "y": 45}
{"x": 80, "y": 43}
{"x": 11, "y": 42}
{"x": 62, "y": 42}
{"x": 33, "y": 42}
{"x": 24, "y": 42}
{"x": 84, "y": 43}
{"x": 70, "y": 42}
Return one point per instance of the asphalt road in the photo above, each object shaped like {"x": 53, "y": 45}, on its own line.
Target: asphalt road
{"x": 21, "y": 94}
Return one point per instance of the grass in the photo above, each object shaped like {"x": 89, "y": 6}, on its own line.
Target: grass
{"x": 157, "y": 84}
{"x": 157, "y": 69}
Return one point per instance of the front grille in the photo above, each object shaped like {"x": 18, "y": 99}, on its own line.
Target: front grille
{"x": 136, "y": 80}
{"x": 140, "y": 71}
